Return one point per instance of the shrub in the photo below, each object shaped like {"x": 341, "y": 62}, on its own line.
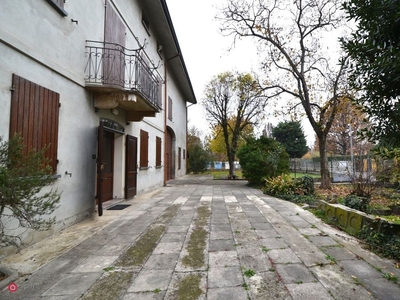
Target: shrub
{"x": 380, "y": 239}
{"x": 305, "y": 185}
{"x": 285, "y": 185}
{"x": 262, "y": 158}
{"x": 280, "y": 185}
{"x": 356, "y": 202}
{"x": 197, "y": 159}
{"x": 23, "y": 204}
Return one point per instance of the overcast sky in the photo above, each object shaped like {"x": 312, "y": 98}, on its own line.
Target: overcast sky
{"x": 206, "y": 51}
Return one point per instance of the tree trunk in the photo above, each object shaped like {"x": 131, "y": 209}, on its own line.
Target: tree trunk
{"x": 325, "y": 178}
{"x": 231, "y": 160}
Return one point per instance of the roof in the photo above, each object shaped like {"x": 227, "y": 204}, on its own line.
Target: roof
{"x": 161, "y": 24}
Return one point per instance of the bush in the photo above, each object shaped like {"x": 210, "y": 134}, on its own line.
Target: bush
{"x": 356, "y": 202}
{"x": 23, "y": 175}
{"x": 305, "y": 185}
{"x": 262, "y": 158}
{"x": 285, "y": 185}
{"x": 279, "y": 185}
{"x": 380, "y": 240}
{"x": 197, "y": 159}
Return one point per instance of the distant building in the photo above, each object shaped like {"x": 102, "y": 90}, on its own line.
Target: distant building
{"x": 267, "y": 131}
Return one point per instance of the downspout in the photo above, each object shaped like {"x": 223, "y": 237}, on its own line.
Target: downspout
{"x": 187, "y": 125}
{"x": 165, "y": 124}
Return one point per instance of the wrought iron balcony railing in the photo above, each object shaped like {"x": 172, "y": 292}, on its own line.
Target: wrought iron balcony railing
{"x": 113, "y": 66}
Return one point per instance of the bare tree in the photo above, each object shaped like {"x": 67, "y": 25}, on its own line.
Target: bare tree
{"x": 233, "y": 102}
{"x": 290, "y": 34}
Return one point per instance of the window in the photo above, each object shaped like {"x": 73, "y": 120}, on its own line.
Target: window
{"x": 184, "y": 154}
{"x": 144, "y": 149}
{"x": 59, "y": 6}
{"x": 169, "y": 108}
{"x": 146, "y": 23}
{"x": 158, "y": 152}
{"x": 179, "y": 157}
{"x": 34, "y": 115}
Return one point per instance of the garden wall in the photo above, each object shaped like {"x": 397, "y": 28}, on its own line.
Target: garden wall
{"x": 352, "y": 221}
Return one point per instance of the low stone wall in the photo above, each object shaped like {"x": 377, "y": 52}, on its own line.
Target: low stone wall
{"x": 352, "y": 220}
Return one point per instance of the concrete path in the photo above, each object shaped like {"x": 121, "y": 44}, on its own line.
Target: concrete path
{"x": 202, "y": 239}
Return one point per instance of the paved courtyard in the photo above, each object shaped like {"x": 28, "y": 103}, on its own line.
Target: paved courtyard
{"x": 202, "y": 239}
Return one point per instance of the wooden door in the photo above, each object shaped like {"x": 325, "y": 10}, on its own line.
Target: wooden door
{"x": 108, "y": 165}
{"x": 131, "y": 166}
{"x": 105, "y": 167}
{"x": 169, "y": 157}
{"x": 99, "y": 198}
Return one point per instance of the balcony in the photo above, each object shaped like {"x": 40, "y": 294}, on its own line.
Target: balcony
{"x": 122, "y": 78}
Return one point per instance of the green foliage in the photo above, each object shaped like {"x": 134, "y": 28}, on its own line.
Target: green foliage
{"x": 262, "y": 158}
{"x": 291, "y": 136}
{"x": 356, "y": 202}
{"x": 306, "y": 184}
{"x": 389, "y": 171}
{"x": 284, "y": 185}
{"x": 280, "y": 185}
{"x": 217, "y": 142}
{"x": 374, "y": 49}
{"x": 249, "y": 273}
{"x": 22, "y": 201}
{"x": 380, "y": 239}
{"x": 197, "y": 159}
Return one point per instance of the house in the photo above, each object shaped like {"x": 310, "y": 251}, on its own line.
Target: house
{"x": 104, "y": 84}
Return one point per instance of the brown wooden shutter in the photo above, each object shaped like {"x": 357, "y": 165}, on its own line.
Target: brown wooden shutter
{"x": 34, "y": 115}
{"x": 144, "y": 149}
{"x": 158, "y": 151}
{"x": 179, "y": 158}
{"x": 169, "y": 108}
{"x": 114, "y": 57}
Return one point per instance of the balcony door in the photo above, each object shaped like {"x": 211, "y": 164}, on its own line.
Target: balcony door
{"x": 114, "y": 43}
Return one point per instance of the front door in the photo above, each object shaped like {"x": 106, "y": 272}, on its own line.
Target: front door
{"x": 108, "y": 165}
{"x": 131, "y": 166}
{"x": 105, "y": 166}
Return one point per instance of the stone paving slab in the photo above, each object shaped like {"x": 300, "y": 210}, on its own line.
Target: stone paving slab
{"x": 308, "y": 291}
{"x": 254, "y": 247}
{"x": 73, "y": 284}
{"x": 339, "y": 284}
{"x": 231, "y": 293}
{"x": 295, "y": 273}
{"x": 220, "y": 277}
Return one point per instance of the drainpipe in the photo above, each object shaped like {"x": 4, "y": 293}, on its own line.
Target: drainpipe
{"x": 187, "y": 125}
{"x": 165, "y": 124}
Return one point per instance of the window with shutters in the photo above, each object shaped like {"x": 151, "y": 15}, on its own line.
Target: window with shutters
{"x": 158, "y": 152}
{"x": 179, "y": 158}
{"x": 34, "y": 115}
{"x": 169, "y": 108}
{"x": 59, "y": 6}
{"x": 144, "y": 149}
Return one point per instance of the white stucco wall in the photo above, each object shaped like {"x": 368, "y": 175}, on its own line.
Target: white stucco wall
{"x": 178, "y": 123}
{"x": 40, "y": 45}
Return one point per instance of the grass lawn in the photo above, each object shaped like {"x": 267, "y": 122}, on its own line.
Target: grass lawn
{"x": 220, "y": 174}
{"x": 298, "y": 175}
